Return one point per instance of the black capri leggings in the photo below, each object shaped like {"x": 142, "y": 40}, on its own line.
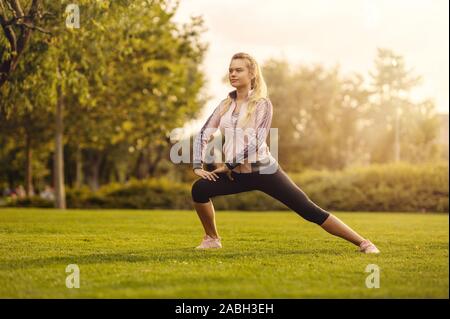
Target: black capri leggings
{"x": 277, "y": 185}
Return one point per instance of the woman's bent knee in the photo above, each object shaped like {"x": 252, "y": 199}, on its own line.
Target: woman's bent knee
{"x": 199, "y": 191}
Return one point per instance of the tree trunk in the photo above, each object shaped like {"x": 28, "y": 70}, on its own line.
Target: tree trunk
{"x": 121, "y": 172}
{"x": 60, "y": 194}
{"x": 397, "y": 136}
{"x": 95, "y": 160}
{"x": 154, "y": 164}
{"x": 79, "y": 167}
{"x": 28, "y": 170}
{"x": 94, "y": 184}
{"x": 143, "y": 164}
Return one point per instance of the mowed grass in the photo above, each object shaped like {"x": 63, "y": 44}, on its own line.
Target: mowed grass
{"x": 149, "y": 254}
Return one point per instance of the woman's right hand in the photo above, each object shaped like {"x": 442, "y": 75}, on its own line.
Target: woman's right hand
{"x": 205, "y": 174}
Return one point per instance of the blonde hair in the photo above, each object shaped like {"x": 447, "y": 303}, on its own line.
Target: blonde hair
{"x": 258, "y": 85}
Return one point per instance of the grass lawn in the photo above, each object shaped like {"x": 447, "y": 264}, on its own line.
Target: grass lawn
{"x": 149, "y": 254}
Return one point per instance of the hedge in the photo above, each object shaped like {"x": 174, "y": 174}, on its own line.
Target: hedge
{"x": 384, "y": 187}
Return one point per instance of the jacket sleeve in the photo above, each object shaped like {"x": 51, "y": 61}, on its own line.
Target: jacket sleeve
{"x": 201, "y": 140}
{"x": 264, "y": 113}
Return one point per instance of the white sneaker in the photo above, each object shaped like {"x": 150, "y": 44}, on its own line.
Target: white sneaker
{"x": 368, "y": 248}
{"x": 209, "y": 242}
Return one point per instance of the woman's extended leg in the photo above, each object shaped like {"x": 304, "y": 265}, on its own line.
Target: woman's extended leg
{"x": 336, "y": 227}
{"x": 282, "y": 188}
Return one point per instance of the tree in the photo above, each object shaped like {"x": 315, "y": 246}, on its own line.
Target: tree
{"x": 317, "y": 112}
{"x": 142, "y": 81}
{"x": 395, "y": 117}
{"x": 17, "y": 25}
{"x": 117, "y": 86}
{"x": 25, "y": 101}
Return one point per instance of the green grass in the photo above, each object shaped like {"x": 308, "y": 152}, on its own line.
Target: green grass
{"x": 149, "y": 254}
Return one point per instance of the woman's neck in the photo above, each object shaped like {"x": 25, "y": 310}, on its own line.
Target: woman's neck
{"x": 242, "y": 93}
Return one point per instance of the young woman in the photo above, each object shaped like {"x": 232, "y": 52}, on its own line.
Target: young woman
{"x": 251, "y": 166}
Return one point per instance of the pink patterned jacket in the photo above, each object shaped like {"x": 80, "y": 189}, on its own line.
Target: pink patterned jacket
{"x": 245, "y": 148}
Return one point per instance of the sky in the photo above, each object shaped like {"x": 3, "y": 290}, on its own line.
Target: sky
{"x": 330, "y": 32}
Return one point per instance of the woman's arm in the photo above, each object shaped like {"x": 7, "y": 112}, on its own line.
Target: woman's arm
{"x": 202, "y": 138}
{"x": 264, "y": 112}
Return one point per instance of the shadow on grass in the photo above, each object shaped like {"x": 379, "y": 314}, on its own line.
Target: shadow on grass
{"x": 167, "y": 255}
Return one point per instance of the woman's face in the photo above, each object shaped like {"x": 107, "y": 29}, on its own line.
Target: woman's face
{"x": 239, "y": 74}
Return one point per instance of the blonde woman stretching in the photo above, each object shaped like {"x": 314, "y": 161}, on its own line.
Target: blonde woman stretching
{"x": 248, "y": 107}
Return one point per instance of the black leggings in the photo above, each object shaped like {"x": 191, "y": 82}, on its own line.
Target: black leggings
{"x": 277, "y": 185}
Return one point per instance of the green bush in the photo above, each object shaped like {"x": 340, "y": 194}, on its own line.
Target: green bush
{"x": 388, "y": 187}
{"x": 139, "y": 194}
{"x": 33, "y": 201}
